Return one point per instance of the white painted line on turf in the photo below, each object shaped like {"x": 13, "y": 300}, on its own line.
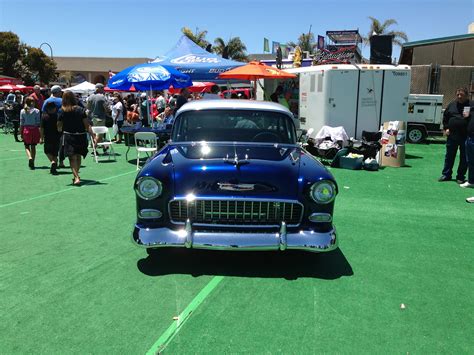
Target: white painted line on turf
{"x": 176, "y": 326}
{"x": 65, "y": 190}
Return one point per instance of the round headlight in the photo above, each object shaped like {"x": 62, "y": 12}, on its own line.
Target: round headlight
{"x": 323, "y": 192}
{"x": 148, "y": 188}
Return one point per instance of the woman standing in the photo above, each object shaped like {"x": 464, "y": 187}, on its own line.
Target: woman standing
{"x": 73, "y": 122}
{"x": 30, "y": 120}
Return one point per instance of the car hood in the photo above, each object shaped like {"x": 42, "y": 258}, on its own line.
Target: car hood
{"x": 235, "y": 170}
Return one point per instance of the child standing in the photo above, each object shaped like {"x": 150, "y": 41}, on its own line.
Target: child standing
{"x": 29, "y": 128}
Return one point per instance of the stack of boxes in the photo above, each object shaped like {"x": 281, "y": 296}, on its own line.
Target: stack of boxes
{"x": 393, "y": 144}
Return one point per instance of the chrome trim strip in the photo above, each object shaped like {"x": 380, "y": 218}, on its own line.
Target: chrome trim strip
{"x": 283, "y": 240}
{"x": 189, "y": 235}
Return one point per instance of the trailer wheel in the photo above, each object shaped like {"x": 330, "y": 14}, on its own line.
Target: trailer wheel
{"x": 416, "y": 134}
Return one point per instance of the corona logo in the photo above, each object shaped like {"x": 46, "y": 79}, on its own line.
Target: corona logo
{"x": 194, "y": 58}
{"x": 148, "y": 74}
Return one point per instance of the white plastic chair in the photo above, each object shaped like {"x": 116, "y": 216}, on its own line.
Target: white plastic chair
{"x": 146, "y": 142}
{"x": 106, "y": 142}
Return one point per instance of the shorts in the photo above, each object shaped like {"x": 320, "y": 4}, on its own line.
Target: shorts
{"x": 98, "y": 122}
{"x": 31, "y": 135}
{"x": 51, "y": 148}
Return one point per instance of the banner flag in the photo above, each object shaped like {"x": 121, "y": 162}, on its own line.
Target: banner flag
{"x": 266, "y": 45}
{"x": 320, "y": 42}
{"x": 275, "y": 46}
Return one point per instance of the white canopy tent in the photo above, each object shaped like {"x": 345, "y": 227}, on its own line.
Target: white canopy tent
{"x": 82, "y": 88}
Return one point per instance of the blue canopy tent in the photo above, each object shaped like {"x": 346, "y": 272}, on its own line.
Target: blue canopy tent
{"x": 193, "y": 60}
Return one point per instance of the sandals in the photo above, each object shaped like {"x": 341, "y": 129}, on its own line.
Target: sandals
{"x": 76, "y": 181}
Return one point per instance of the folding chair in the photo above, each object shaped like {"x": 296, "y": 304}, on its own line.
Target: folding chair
{"x": 146, "y": 142}
{"x": 106, "y": 142}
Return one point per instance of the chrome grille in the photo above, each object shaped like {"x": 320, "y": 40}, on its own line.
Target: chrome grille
{"x": 236, "y": 212}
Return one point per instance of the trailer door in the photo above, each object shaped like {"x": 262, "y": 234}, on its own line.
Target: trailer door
{"x": 396, "y": 89}
{"x": 341, "y": 100}
{"x": 368, "y": 109}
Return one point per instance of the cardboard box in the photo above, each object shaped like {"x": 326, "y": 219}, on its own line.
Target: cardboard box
{"x": 393, "y": 139}
{"x": 392, "y": 155}
{"x": 394, "y": 132}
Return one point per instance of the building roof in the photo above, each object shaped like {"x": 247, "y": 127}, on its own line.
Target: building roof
{"x": 438, "y": 40}
{"x": 91, "y": 64}
{"x": 261, "y": 56}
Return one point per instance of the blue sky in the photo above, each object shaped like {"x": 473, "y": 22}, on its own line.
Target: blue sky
{"x": 146, "y": 28}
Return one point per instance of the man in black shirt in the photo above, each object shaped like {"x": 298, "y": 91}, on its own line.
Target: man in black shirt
{"x": 276, "y": 95}
{"x": 455, "y": 129}
{"x": 469, "y": 145}
{"x": 181, "y": 99}
{"x": 50, "y": 135}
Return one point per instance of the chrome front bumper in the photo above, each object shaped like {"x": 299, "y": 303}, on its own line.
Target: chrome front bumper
{"x": 303, "y": 240}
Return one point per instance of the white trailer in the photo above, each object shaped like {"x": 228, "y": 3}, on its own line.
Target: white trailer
{"x": 425, "y": 116}
{"x": 357, "y": 97}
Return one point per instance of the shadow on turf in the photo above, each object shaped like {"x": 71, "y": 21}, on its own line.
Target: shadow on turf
{"x": 410, "y": 156}
{"x": 289, "y": 265}
{"x": 86, "y": 182}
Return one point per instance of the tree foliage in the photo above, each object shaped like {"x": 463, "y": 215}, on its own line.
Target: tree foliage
{"x": 10, "y": 52}
{"x": 305, "y": 41}
{"x": 378, "y": 28}
{"x": 25, "y": 62}
{"x": 198, "y": 37}
{"x": 234, "y": 49}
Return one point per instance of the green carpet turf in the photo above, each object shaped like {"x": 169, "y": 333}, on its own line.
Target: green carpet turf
{"x": 72, "y": 282}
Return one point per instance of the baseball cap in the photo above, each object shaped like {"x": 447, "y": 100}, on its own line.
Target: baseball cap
{"x": 55, "y": 88}
{"x": 143, "y": 95}
{"x": 99, "y": 86}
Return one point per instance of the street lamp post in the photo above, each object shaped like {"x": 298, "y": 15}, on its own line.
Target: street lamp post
{"x": 50, "y": 48}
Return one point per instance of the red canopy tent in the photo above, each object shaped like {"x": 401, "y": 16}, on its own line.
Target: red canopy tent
{"x": 197, "y": 87}
{"x": 132, "y": 89}
{"x": 9, "y": 87}
{"x": 8, "y": 80}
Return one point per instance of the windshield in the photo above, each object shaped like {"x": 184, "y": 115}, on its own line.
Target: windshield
{"x": 234, "y": 126}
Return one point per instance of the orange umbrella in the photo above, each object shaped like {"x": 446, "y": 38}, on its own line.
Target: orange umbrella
{"x": 254, "y": 71}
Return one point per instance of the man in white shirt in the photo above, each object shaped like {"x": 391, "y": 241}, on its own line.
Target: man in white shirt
{"x": 117, "y": 116}
{"x": 160, "y": 102}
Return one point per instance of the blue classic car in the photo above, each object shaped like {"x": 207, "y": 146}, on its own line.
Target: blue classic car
{"x": 233, "y": 177}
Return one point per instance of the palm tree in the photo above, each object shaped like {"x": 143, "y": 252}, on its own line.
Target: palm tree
{"x": 305, "y": 41}
{"x": 233, "y": 49}
{"x": 377, "y": 28}
{"x": 198, "y": 37}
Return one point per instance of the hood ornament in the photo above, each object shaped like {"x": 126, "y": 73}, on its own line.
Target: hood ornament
{"x": 227, "y": 186}
{"x": 236, "y": 160}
